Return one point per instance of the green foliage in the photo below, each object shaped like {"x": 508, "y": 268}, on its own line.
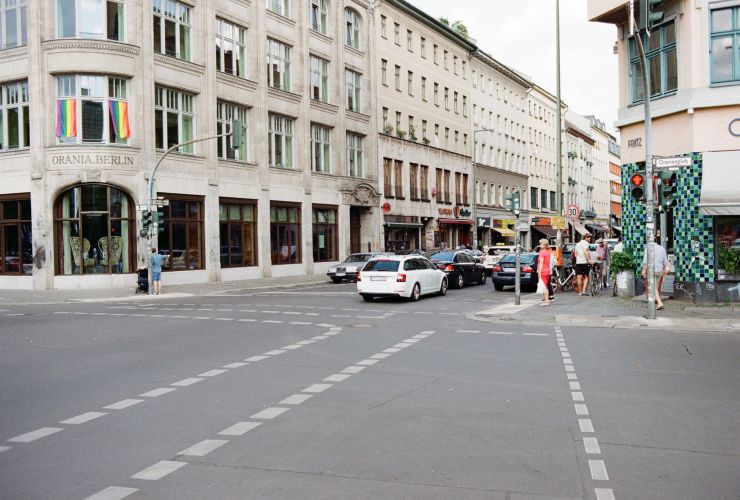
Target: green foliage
{"x": 460, "y": 28}
{"x": 622, "y": 261}
{"x": 729, "y": 259}
{"x": 444, "y": 21}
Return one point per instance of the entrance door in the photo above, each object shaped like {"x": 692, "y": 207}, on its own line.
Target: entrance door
{"x": 354, "y": 230}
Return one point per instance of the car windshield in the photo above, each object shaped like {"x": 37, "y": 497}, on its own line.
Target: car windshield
{"x": 390, "y": 266}
{"x": 443, "y": 256}
{"x": 527, "y": 258}
{"x": 363, "y": 257}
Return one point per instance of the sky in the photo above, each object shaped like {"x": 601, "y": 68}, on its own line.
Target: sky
{"x": 521, "y": 34}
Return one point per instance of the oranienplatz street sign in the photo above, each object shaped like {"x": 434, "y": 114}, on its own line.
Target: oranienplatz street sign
{"x": 678, "y": 161}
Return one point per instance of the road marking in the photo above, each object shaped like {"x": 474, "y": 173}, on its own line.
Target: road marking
{"x": 212, "y": 373}
{"x": 420, "y": 336}
{"x": 332, "y": 332}
{"x": 124, "y": 403}
{"x": 34, "y": 435}
{"x": 429, "y": 312}
{"x": 392, "y": 350}
{"x": 586, "y": 425}
{"x": 296, "y": 399}
{"x": 428, "y": 332}
{"x": 247, "y": 310}
{"x": 57, "y": 312}
{"x": 299, "y": 323}
{"x": 326, "y": 325}
{"x": 592, "y": 445}
{"x": 224, "y": 319}
{"x": 112, "y": 493}
{"x": 225, "y": 310}
{"x": 316, "y": 388}
{"x": 320, "y": 337}
{"x": 205, "y": 309}
{"x": 204, "y": 447}
{"x": 291, "y": 347}
{"x": 449, "y": 314}
{"x": 337, "y": 377}
{"x": 581, "y": 409}
{"x": 269, "y": 413}
{"x": 256, "y": 358}
{"x": 380, "y": 355}
{"x": 159, "y": 470}
{"x": 367, "y": 362}
{"x": 536, "y": 334}
{"x": 247, "y": 320}
{"x": 563, "y": 349}
{"x": 570, "y": 368}
{"x": 575, "y": 386}
{"x": 577, "y": 396}
{"x": 157, "y": 392}
{"x": 567, "y": 361}
{"x": 180, "y": 317}
{"x": 598, "y": 470}
{"x": 275, "y": 352}
{"x": 565, "y": 354}
{"x": 274, "y": 321}
{"x": 402, "y": 345}
{"x": 468, "y": 331}
{"x": 85, "y": 417}
{"x": 306, "y": 342}
{"x": 235, "y": 365}
{"x": 571, "y": 376}
{"x": 293, "y": 313}
{"x": 239, "y": 429}
{"x": 187, "y": 381}
{"x": 340, "y": 316}
{"x": 501, "y": 333}
{"x": 353, "y": 369}
{"x": 201, "y": 317}
{"x": 270, "y": 312}
{"x": 412, "y": 341}
{"x": 4, "y": 448}
{"x": 604, "y": 494}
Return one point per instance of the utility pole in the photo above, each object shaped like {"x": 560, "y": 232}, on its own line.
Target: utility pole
{"x": 559, "y": 135}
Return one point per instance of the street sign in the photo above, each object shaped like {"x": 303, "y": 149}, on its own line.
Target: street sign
{"x": 558, "y": 223}
{"x": 142, "y": 208}
{"x": 161, "y": 203}
{"x": 522, "y": 226}
{"x": 679, "y": 161}
{"x": 573, "y": 212}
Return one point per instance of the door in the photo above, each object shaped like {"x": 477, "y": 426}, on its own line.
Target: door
{"x": 354, "y": 230}
{"x": 467, "y": 267}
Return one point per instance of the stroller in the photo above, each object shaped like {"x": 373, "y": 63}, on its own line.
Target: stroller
{"x": 142, "y": 280}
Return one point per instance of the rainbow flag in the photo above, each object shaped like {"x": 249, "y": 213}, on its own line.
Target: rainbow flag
{"x": 119, "y": 118}
{"x": 66, "y": 117}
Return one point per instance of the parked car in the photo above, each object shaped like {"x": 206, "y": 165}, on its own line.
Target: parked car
{"x": 350, "y": 267}
{"x": 494, "y": 255}
{"x": 504, "y": 271}
{"x": 460, "y": 267}
{"x": 409, "y": 276}
{"x": 477, "y": 254}
{"x": 409, "y": 251}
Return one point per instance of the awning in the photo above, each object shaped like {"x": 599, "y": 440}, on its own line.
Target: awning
{"x": 598, "y": 227}
{"x": 579, "y": 227}
{"x": 504, "y": 231}
{"x": 404, "y": 224}
{"x": 466, "y": 222}
{"x": 546, "y": 230}
{"x": 719, "y": 195}
{"x": 617, "y": 229}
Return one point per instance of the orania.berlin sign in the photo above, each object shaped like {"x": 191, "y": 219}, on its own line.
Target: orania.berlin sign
{"x": 91, "y": 160}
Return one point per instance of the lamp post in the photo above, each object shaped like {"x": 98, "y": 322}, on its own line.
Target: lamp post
{"x": 559, "y": 142}
{"x": 475, "y": 188}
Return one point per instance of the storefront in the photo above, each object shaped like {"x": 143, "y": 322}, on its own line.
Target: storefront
{"x": 402, "y": 232}
{"x": 484, "y": 231}
{"x": 454, "y": 232}
{"x": 502, "y": 232}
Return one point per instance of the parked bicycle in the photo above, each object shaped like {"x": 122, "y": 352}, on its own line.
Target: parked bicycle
{"x": 596, "y": 278}
{"x": 562, "y": 278}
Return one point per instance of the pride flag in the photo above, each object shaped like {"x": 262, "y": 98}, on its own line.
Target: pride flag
{"x": 66, "y": 118}
{"x": 119, "y": 118}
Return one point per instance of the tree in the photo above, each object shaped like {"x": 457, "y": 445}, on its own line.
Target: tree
{"x": 460, "y": 28}
{"x": 444, "y": 21}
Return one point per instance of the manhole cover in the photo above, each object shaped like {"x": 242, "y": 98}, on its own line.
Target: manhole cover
{"x": 361, "y": 325}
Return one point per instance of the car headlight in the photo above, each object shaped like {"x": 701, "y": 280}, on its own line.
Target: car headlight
{"x": 332, "y": 269}
{"x": 352, "y": 269}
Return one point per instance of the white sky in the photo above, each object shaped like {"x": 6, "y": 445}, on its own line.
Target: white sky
{"x": 521, "y": 34}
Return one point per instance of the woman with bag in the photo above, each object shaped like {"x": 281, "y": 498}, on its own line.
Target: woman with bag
{"x": 543, "y": 270}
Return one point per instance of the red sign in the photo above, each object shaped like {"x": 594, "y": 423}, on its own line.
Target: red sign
{"x": 445, "y": 211}
{"x": 386, "y": 207}
{"x": 573, "y": 212}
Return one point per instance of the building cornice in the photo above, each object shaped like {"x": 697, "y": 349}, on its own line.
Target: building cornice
{"x": 235, "y": 81}
{"x": 14, "y": 53}
{"x": 501, "y": 170}
{"x": 433, "y": 23}
{"x": 360, "y": 117}
{"x": 90, "y": 45}
{"x": 179, "y": 64}
{"x": 284, "y": 95}
{"x": 324, "y": 106}
{"x": 510, "y": 73}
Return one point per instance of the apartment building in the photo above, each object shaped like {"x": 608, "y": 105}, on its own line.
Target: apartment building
{"x": 94, "y": 92}
{"x": 578, "y": 170}
{"x": 695, "y": 74}
{"x": 423, "y": 124}
{"x": 601, "y": 192}
{"x": 615, "y": 189}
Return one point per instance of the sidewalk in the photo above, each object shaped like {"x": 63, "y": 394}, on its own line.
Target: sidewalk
{"x": 22, "y": 297}
{"x": 606, "y": 311}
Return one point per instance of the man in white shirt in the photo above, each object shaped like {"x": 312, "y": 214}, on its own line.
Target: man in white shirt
{"x": 583, "y": 262}
{"x": 660, "y": 257}
{"x": 619, "y": 247}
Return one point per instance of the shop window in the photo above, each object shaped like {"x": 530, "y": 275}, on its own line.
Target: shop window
{"x": 237, "y": 233}
{"x": 94, "y": 231}
{"x": 325, "y": 234}
{"x": 182, "y": 239}
{"x": 285, "y": 234}
{"x": 15, "y": 234}
{"x": 728, "y": 241}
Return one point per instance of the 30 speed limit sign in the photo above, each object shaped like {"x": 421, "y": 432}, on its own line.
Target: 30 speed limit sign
{"x": 573, "y": 212}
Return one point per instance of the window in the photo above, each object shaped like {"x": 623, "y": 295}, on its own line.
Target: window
{"x": 320, "y": 148}
{"x": 15, "y": 234}
{"x": 423, "y": 47}
{"x": 424, "y": 184}
{"x": 444, "y": 60}
{"x": 398, "y": 77}
{"x": 436, "y": 54}
{"x": 354, "y": 155}
{"x": 454, "y": 102}
{"x": 352, "y": 81}
{"x": 87, "y": 19}
{"x": 409, "y": 41}
{"x": 398, "y": 178}
{"x": 725, "y": 47}
{"x": 226, "y": 112}
{"x": 281, "y": 7}
{"x": 412, "y": 128}
{"x": 238, "y": 233}
{"x": 447, "y": 186}
{"x": 475, "y": 82}
{"x": 543, "y": 199}
{"x": 423, "y": 88}
{"x": 172, "y": 25}
{"x": 465, "y": 188}
{"x": 424, "y": 129}
{"x": 12, "y": 24}
{"x": 387, "y": 178}
{"x": 325, "y": 234}
{"x": 94, "y": 230}
{"x": 280, "y": 141}
{"x": 398, "y": 121}
{"x": 397, "y": 33}
{"x": 278, "y": 64}
{"x": 465, "y": 106}
{"x": 447, "y": 99}
{"x": 457, "y": 139}
{"x": 410, "y": 83}
{"x": 533, "y": 194}
{"x": 383, "y": 28}
{"x": 384, "y": 71}
{"x": 552, "y": 200}
{"x": 660, "y": 52}
{"x": 285, "y": 234}
{"x": 319, "y": 79}
{"x": 436, "y": 94}
{"x": 385, "y": 119}
{"x": 464, "y": 70}
{"x": 458, "y": 192}
{"x": 454, "y": 64}
{"x": 318, "y": 15}
{"x": 97, "y": 104}
{"x": 414, "y": 180}
{"x": 173, "y": 118}
{"x": 352, "y": 29}
{"x": 439, "y": 196}
{"x": 230, "y": 44}
{"x": 15, "y": 125}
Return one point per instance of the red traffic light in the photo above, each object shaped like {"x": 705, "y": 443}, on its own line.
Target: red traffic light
{"x": 637, "y": 179}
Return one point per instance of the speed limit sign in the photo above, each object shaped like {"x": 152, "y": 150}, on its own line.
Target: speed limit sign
{"x": 573, "y": 212}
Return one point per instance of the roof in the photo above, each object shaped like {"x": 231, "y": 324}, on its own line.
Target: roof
{"x": 422, "y": 16}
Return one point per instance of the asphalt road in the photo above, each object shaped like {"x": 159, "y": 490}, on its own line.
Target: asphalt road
{"x": 311, "y": 393}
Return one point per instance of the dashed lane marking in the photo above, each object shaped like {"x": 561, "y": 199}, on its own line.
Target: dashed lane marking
{"x": 187, "y": 381}
{"x": 256, "y": 358}
{"x": 591, "y": 444}
{"x": 269, "y": 413}
{"x": 84, "y": 418}
{"x": 4, "y": 448}
{"x": 238, "y": 364}
{"x": 316, "y": 388}
{"x": 204, "y": 447}
{"x": 367, "y": 362}
{"x": 296, "y": 399}
{"x": 337, "y": 377}
{"x": 275, "y": 352}
{"x": 155, "y": 393}
{"x": 239, "y": 428}
{"x": 581, "y": 409}
{"x": 124, "y": 403}
{"x": 604, "y": 494}
{"x": 598, "y": 470}
{"x": 585, "y": 425}
{"x": 29, "y": 437}
{"x": 159, "y": 470}
{"x": 212, "y": 373}
{"x": 352, "y": 370}
{"x": 112, "y": 493}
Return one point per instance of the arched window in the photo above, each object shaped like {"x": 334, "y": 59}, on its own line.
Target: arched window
{"x": 94, "y": 231}
{"x": 353, "y": 24}
{"x": 318, "y": 16}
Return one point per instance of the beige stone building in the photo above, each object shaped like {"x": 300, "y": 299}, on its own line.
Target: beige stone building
{"x": 601, "y": 157}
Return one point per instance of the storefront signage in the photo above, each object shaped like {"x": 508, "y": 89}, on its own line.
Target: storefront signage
{"x": 484, "y": 222}
{"x": 634, "y": 143}
{"x": 503, "y": 222}
{"x": 92, "y": 160}
{"x": 445, "y": 211}
{"x": 558, "y": 223}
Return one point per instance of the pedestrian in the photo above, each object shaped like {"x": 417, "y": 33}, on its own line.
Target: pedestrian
{"x": 583, "y": 263}
{"x": 660, "y": 257}
{"x": 157, "y": 260}
{"x": 544, "y": 267}
{"x": 602, "y": 256}
{"x": 619, "y": 247}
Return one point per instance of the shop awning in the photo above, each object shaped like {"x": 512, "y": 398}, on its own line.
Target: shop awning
{"x": 719, "y": 194}
{"x": 579, "y": 227}
{"x": 504, "y": 231}
{"x": 546, "y": 230}
{"x": 466, "y": 222}
{"x": 598, "y": 227}
{"x": 617, "y": 228}
{"x": 404, "y": 224}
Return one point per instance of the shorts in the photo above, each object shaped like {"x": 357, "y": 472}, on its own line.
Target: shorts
{"x": 156, "y": 275}
{"x": 582, "y": 269}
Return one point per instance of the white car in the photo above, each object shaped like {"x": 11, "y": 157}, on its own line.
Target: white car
{"x": 494, "y": 255}
{"x": 409, "y": 276}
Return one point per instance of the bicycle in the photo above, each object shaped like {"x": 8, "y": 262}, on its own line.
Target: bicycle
{"x": 564, "y": 283}
{"x": 595, "y": 278}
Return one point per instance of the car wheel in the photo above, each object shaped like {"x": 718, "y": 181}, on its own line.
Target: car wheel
{"x": 415, "y": 293}
{"x": 443, "y": 288}
{"x": 482, "y": 280}
{"x": 337, "y": 280}
{"x": 498, "y": 287}
{"x": 367, "y": 297}
{"x": 460, "y": 282}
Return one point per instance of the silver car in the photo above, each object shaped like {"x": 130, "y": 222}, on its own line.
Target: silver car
{"x": 350, "y": 267}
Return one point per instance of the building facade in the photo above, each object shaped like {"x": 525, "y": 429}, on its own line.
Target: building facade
{"x": 615, "y": 189}
{"x": 601, "y": 189}
{"x": 695, "y": 73}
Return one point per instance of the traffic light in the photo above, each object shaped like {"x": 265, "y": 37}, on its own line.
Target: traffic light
{"x": 649, "y": 17}
{"x": 159, "y": 219}
{"x": 667, "y": 189}
{"x": 637, "y": 186}
{"x": 236, "y": 134}
{"x": 146, "y": 223}
{"x": 513, "y": 202}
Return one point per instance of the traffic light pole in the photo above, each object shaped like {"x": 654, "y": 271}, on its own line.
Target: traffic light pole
{"x": 559, "y": 143}
{"x": 517, "y": 265}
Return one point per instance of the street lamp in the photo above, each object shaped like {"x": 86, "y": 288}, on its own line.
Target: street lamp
{"x": 475, "y": 188}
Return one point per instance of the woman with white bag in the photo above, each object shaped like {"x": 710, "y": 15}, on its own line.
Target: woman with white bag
{"x": 544, "y": 261}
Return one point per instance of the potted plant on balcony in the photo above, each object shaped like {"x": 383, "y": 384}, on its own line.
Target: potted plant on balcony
{"x": 412, "y": 133}
{"x": 425, "y": 140}
{"x": 622, "y": 267}
{"x": 401, "y": 134}
{"x": 388, "y": 129}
